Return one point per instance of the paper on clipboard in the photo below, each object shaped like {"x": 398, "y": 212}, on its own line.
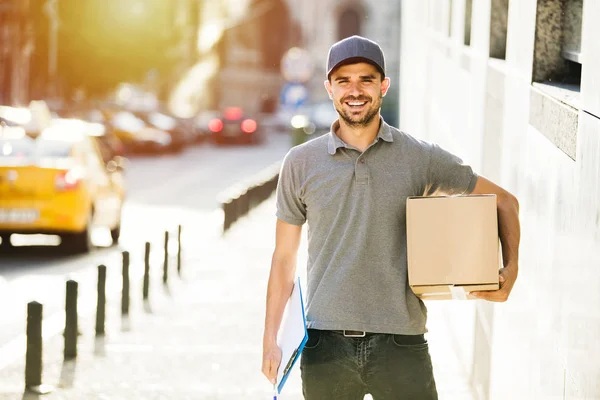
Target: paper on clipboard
{"x": 292, "y": 335}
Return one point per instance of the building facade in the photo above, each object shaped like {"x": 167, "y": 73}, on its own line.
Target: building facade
{"x": 16, "y": 48}
{"x": 250, "y": 52}
{"x": 513, "y": 87}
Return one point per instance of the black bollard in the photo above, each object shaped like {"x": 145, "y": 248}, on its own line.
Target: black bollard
{"x": 227, "y": 214}
{"x": 239, "y": 201}
{"x": 146, "y": 271}
{"x": 262, "y": 191}
{"x": 245, "y": 202}
{"x": 125, "y": 293}
{"x": 71, "y": 332}
{"x": 251, "y": 193}
{"x": 242, "y": 208}
{"x": 33, "y": 357}
{"x": 166, "y": 259}
{"x": 101, "y": 305}
{"x": 235, "y": 209}
{"x": 273, "y": 184}
{"x": 179, "y": 250}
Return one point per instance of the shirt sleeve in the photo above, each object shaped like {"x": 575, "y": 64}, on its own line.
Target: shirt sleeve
{"x": 290, "y": 207}
{"x": 448, "y": 174}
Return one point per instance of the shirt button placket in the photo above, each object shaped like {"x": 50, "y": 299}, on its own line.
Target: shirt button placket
{"x": 362, "y": 175}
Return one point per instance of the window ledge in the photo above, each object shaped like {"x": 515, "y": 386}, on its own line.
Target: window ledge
{"x": 555, "y": 116}
{"x": 564, "y": 93}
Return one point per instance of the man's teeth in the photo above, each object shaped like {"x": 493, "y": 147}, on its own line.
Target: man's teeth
{"x": 356, "y": 103}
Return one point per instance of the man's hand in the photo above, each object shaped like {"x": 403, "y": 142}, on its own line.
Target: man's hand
{"x": 508, "y": 276}
{"x": 271, "y": 361}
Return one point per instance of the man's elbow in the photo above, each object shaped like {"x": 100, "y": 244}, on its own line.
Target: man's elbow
{"x": 508, "y": 201}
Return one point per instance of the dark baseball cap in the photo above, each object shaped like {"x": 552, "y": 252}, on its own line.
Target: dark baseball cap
{"x": 355, "y": 49}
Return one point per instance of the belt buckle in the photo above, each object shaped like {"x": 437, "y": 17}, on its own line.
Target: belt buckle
{"x": 362, "y": 334}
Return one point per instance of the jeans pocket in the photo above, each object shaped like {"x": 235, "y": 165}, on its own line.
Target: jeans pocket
{"x": 314, "y": 338}
{"x": 416, "y": 342}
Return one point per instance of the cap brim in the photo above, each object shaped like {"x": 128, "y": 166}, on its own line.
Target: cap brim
{"x": 354, "y": 60}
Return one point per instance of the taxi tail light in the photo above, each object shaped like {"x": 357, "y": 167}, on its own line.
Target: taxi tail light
{"x": 248, "y": 126}
{"x": 66, "y": 180}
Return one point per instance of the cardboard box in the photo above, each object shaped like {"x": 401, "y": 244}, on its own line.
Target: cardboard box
{"x": 453, "y": 246}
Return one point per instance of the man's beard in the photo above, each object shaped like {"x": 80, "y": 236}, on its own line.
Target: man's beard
{"x": 364, "y": 121}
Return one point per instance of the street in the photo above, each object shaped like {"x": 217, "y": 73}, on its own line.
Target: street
{"x": 162, "y": 192}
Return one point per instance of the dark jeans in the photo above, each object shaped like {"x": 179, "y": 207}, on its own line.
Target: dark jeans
{"x": 388, "y": 367}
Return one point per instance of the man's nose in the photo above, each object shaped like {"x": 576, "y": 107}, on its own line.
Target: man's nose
{"x": 354, "y": 89}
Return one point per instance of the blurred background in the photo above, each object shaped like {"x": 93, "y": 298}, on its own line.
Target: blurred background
{"x": 120, "y": 117}
{"x": 184, "y": 55}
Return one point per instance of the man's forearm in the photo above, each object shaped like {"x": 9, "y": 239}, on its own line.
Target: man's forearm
{"x": 509, "y": 230}
{"x": 279, "y": 289}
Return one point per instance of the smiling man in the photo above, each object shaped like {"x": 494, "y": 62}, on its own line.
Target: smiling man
{"x": 366, "y": 327}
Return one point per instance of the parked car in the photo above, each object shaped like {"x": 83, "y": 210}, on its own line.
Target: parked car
{"x": 58, "y": 183}
{"x": 180, "y": 133}
{"x": 136, "y": 135}
{"x": 109, "y": 136}
{"x": 33, "y": 119}
{"x": 234, "y": 126}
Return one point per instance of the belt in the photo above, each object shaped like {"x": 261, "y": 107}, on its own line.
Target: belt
{"x": 348, "y": 333}
{"x": 401, "y": 339}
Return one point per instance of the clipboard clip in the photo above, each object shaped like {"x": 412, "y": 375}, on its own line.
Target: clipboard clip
{"x": 290, "y": 362}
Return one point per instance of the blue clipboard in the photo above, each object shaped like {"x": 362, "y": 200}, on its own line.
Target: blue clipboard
{"x": 293, "y": 335}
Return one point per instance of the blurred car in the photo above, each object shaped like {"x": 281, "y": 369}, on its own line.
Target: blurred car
{"x": 316, "y": 119}
{"x": 233, "y": 126}
{"x": 110, "y": 147}
{"x": 58, "y": 183}
{"x": 33, "y": 119}
{"x": 181, "y": 134}
{"x": 279, "y": 121}
{"x": 202, "y": 123}
{"x": 136, "y": 135}
{"x": 109, "y": 137}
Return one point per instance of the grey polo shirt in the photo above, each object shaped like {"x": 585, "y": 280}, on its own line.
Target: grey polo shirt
{"x": 355, "y": 207}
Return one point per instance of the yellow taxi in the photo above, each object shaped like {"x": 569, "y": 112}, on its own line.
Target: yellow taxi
{"x": 58, "y": 183}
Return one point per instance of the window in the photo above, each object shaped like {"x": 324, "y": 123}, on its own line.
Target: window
{"x": 558, "y": 43}
{"x": 468, "y": 12}
{"x": 556, "y": 73}
{"x": 571, "y": 40}
{"x": 498, "y": 29}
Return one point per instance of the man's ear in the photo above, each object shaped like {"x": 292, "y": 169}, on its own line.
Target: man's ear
{"x": 385, "y": 85}
{"x": 328, "y": 88}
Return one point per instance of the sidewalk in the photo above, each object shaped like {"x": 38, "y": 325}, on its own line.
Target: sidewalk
{"x": 203, "y": 338}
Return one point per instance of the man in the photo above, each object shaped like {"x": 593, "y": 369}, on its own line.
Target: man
{"x": 366, "y": 326}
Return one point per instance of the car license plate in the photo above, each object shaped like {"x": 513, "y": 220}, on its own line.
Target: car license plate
{"x": 18, "y": 215}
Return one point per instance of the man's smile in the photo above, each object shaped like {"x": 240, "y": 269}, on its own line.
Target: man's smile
{"x": 356, "y": 105}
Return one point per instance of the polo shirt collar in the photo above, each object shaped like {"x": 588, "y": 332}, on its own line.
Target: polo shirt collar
{"x": 334, "y": 142}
